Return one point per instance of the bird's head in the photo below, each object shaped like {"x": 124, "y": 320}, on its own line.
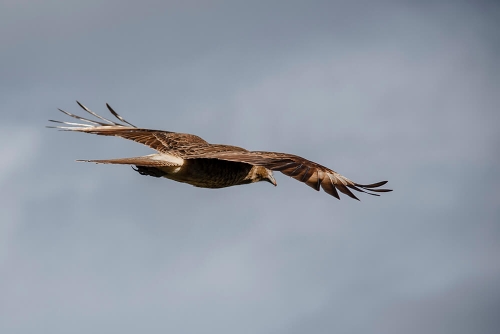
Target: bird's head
{"x": 264, "y": 174}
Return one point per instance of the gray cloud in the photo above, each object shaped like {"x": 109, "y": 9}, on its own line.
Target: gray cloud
{"x": 404, "y": 92}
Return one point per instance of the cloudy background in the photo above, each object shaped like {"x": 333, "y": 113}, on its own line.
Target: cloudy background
{"x": 407, "y": 92}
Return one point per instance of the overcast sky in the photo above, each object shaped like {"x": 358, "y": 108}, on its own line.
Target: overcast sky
{"x": 402, "y": 91}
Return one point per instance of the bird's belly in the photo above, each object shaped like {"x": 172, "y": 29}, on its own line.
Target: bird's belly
{"x": 209, "y": 173}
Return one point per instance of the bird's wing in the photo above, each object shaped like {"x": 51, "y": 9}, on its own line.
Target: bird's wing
{"x": 303, "y": 170}
{"x": 187, "y": 146}
{"x": 173, "y": 143}
{"x": 152, "y": 160}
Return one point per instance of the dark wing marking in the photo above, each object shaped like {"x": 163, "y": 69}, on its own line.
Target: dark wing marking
{"x": 314, "y": 175}
{"x": 118, "y": 116}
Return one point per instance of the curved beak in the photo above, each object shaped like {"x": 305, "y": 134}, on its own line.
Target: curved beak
{"x": 270, "y": 179}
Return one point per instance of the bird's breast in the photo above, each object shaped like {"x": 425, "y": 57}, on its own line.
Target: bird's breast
{"x": 210, "y": 173}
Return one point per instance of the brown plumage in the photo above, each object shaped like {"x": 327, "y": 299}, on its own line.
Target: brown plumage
{"x": 190, "y": 159}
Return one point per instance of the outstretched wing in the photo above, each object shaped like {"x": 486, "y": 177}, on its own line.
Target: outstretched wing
{"x": 174, "y": 143}
{"x": 189, "y": 146}
{"x": 303, "y": 170}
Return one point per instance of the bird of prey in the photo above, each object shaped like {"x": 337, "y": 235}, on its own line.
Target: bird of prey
{"x": 190, "y": 159}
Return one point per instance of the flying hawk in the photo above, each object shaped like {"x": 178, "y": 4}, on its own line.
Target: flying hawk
{"x": 190, "y": 159}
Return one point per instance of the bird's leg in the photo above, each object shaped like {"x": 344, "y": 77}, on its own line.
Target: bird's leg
{"x": 151, "y": 171}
